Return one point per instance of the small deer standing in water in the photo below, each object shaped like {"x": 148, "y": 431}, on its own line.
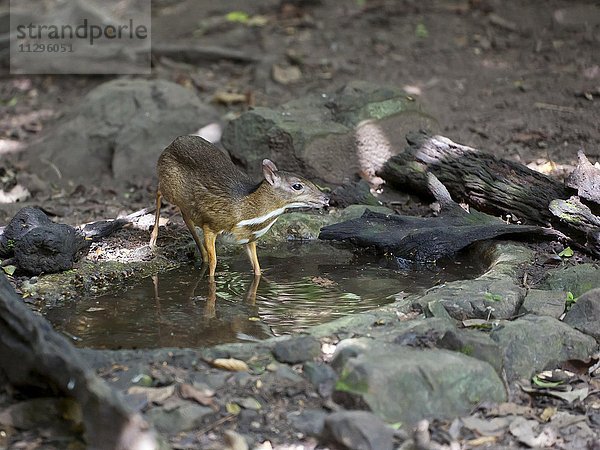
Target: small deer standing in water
{"x": 213, "y": 194}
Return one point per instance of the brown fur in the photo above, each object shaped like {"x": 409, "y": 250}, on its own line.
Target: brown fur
{"x": 215, "y": 195}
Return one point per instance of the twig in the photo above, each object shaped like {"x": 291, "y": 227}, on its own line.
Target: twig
{"x": 541, "y": 105}
{"x": 216, "y": 423}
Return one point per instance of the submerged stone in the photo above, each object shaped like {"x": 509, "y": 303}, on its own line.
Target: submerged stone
{"x": 404, "y": 384}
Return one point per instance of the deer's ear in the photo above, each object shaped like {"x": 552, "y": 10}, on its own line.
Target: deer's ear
{"x": 270, "y": 171}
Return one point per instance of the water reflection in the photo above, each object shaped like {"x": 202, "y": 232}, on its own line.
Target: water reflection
{"x": 300, "y": 288}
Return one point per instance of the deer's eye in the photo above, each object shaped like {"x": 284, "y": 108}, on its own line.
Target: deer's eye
{"x": 297, "y": 186}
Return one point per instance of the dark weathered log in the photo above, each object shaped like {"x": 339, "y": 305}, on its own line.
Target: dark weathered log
{"x": 32, "y": 354}
{"x": 496, "y": 185}
{"x": 580, "y": 218}
{"x": 425, "y": 239}
{"x": 585, "y": 179}
{"x": 490, "y": 184}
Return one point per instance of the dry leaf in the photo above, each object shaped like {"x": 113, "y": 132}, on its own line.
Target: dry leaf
{"x": 286, "y": 75}
{"x": 511, "y": 409}
{"x": 547, "y": 413}
{"x": 229, "y": 98}
{"x": 189, "y": 392}
{"x": 231, "y": 364}
{"x": 525, "y": 431}
{"x": 483, "y": 440}
{"x": 154, "y": 395}
{"x": 486, "y": 427}
{"x": 233, "y": 408}
{"x": 235, "y": 441}
{"x": 322, "y": 281}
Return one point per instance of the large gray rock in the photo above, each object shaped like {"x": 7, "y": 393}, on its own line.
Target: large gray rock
{"x": 328, "y": 137}
{"x": 494, "y": 295}
{"x": 576, "y": 279}
{"x": 585, "y": 314}
{"x": 490, "y": 296}
{"x": 473, "y": 343}
{"x": 532, "y": 343}
{"x": 544, "y": 303}
{"x": 405, "y": 384}
{"x": 118, "y": 130}
{"x": 358, "y": 430}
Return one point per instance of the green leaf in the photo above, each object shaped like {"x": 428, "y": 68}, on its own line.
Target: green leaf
{"x": 421, "y": 31}
{"x": 237, "y": 16}
{"x": 492, "y": 297}
{"x": 545, "y": 384}
{"x": 571, "y": 300}
{"x": 233, "y": 408}
{"x": 566, "y": 253}
{"x": 9, "y": 270}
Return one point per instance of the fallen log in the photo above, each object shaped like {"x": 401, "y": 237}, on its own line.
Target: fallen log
{"x": 33, "y": 355}
{"x": 494, "y": 185}
{"x": 426, "y": 239}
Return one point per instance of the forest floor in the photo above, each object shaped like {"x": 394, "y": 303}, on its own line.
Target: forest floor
{"x": 519, "y": 79}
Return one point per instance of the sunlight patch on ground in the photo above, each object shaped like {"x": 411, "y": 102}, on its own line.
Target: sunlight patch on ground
{"x": 9, "y": 146}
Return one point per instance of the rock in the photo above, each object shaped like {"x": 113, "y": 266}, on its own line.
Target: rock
{"x": 353, "y": 193}
{"x": 532, "y": 343}
{"x": 585, "y": 314}
{"x": 327, "y": 137}
{"x": 577, "y": 279}
{"x": 309, "y": 421}
{"x": 183, "y": 418}
{"x": 489, "y": 296}
{"x": 358, "y": 430}
{"x": 577, "y": 17}
{"x": 118, "y": 130}
{"x": 475, "y": 344}
{"x": 287, "y": 376}
{"x": 36, "y": 413}
{"x": 40, "y": 245}
{"x": 297, "y": 226}
{"x": 322, "y": 376}
{"x": 544, "y": 303}
{"x": 402, "y": 384}
{"x": 297, "y": 349}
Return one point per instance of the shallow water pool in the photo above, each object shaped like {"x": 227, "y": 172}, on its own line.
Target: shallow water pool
{"x": 302, "y": 285}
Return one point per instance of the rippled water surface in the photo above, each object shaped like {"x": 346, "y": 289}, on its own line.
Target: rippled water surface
{"x": 304, "y": 285}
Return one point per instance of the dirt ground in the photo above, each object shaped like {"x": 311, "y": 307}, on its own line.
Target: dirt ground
{"x": 518, "y": 78}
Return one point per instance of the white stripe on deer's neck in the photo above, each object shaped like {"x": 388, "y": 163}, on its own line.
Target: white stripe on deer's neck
{"x": 270, "y": 215}
{"x": 259, "y": 233}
